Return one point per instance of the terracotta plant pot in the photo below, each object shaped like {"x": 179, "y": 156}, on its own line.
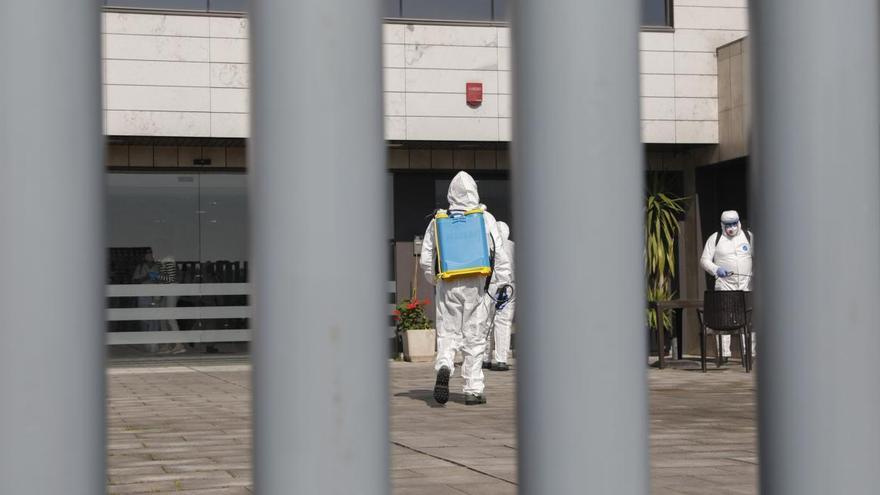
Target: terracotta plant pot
{"x": 419, "y": 345}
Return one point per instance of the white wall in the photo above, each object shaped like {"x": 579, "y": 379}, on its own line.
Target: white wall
{"x": 680, "y": 71}
{"x": 188, "y": 76}
{"x": 426, "y": 68}
{"x": 170, "y": 75}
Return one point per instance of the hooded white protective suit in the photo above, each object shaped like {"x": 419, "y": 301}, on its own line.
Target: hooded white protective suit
{"x": 461, "y": 311}
{"x": 500, "y": 321}
{"x": 729, "y": 250}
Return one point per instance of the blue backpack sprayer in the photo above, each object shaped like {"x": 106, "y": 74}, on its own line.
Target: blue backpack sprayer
{"x": 463, "y": 250}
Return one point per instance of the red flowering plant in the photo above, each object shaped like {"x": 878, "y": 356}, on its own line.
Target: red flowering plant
{"x": 410, "y": 315}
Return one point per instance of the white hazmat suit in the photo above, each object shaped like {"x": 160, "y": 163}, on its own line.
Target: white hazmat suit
{"x": 461, "y": 311}
{"x": 727, "y": 256}
{"x": 500, "y": 321}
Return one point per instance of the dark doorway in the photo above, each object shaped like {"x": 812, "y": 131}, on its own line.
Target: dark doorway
{"x": 418, "y": 194}
{"x": 722, "y": 186}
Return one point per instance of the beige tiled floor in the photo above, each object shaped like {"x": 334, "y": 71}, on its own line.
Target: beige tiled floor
{"x": 184, "y": 428}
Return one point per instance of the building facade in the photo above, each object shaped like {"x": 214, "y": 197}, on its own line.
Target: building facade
{"x": 176, "y": 115}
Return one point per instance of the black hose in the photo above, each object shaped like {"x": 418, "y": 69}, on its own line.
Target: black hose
{"x": 503, "y": 289}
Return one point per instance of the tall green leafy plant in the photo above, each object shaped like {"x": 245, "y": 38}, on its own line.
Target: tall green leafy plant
{"x": 661, "y": 229}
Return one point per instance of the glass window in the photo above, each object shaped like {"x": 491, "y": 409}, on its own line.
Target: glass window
{"x": 155, "y": 211}
{"x": 228, "y": 5}
{"x": 461, "y": 10}
{"x": 501, "y": 10}
{"x": 168, "y": 233}
{"x": 223, "y": 217}
{"x": 193, "y": 217}
{"x": 201, "y": 5}
{"x": 655, "y": 13}
{"x": 391, "y": 8}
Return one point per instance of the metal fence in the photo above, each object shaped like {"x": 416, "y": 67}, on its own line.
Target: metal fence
{"x": 231, "y": 316}
{"x": 818, "y": 159}
{"x": 321, "y": 415}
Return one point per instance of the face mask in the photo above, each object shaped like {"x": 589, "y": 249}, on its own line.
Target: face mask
{"x": 731, "y": 229}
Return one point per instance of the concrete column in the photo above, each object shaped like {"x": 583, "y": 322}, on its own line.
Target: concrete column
{"x": 319, "y": 247}
{"x": 578, "y": 178}
{"x": 818, "y": 198}
{"x": 693, "y": 281}
{"x": 52, "y": 247}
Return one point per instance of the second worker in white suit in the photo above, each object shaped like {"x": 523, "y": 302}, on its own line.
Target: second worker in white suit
{"x": 457, "y": 235}
{"x": 728, "y": 257}
{"x": 500, "y": 320}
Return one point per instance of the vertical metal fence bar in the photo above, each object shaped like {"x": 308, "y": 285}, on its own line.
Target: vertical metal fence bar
{"x": 818, "y": 174}
{"x": 578, "y": 175}
{"x": 52, "y": 247}
{"x": 318, "y": 192}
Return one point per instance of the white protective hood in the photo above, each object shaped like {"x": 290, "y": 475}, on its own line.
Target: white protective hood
{"x": 463, "y": 193}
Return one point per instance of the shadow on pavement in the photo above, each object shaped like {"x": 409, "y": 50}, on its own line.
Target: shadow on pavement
{"x": 427, "y": 396}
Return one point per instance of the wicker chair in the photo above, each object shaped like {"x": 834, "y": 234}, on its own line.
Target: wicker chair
{"x": 726, "y": 312}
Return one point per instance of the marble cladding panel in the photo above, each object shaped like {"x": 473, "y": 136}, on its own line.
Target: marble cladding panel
{"x": 175, "y": 75}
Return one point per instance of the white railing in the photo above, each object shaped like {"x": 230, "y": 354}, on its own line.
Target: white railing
{"x": 179, "y": 313}
{"x": 186, "y": 313}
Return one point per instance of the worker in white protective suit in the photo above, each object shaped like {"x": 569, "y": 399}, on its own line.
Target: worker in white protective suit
{"x": 461, "y": 311}
{"x": 728, "y": 257}
{"x": 500, "y": 320}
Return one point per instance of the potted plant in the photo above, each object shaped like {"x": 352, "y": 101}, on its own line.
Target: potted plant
{"x": 661, "y": 229}
{"x": 419, "y": 335}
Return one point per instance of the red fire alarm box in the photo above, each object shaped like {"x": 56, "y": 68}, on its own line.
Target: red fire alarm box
{"x": 474, "y": 92}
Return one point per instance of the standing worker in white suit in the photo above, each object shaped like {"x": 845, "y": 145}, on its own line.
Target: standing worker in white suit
{"x": 728, "y": 257}
{"x": 500, "y": 319}
{"x": 460, "y": 251}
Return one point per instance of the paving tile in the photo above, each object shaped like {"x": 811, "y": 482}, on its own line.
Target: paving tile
{"x": 497, "y": 488}
{"x": 427, "y": 490}
{"x": 184, "y": 428}
{"x": 137, "y": 488}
